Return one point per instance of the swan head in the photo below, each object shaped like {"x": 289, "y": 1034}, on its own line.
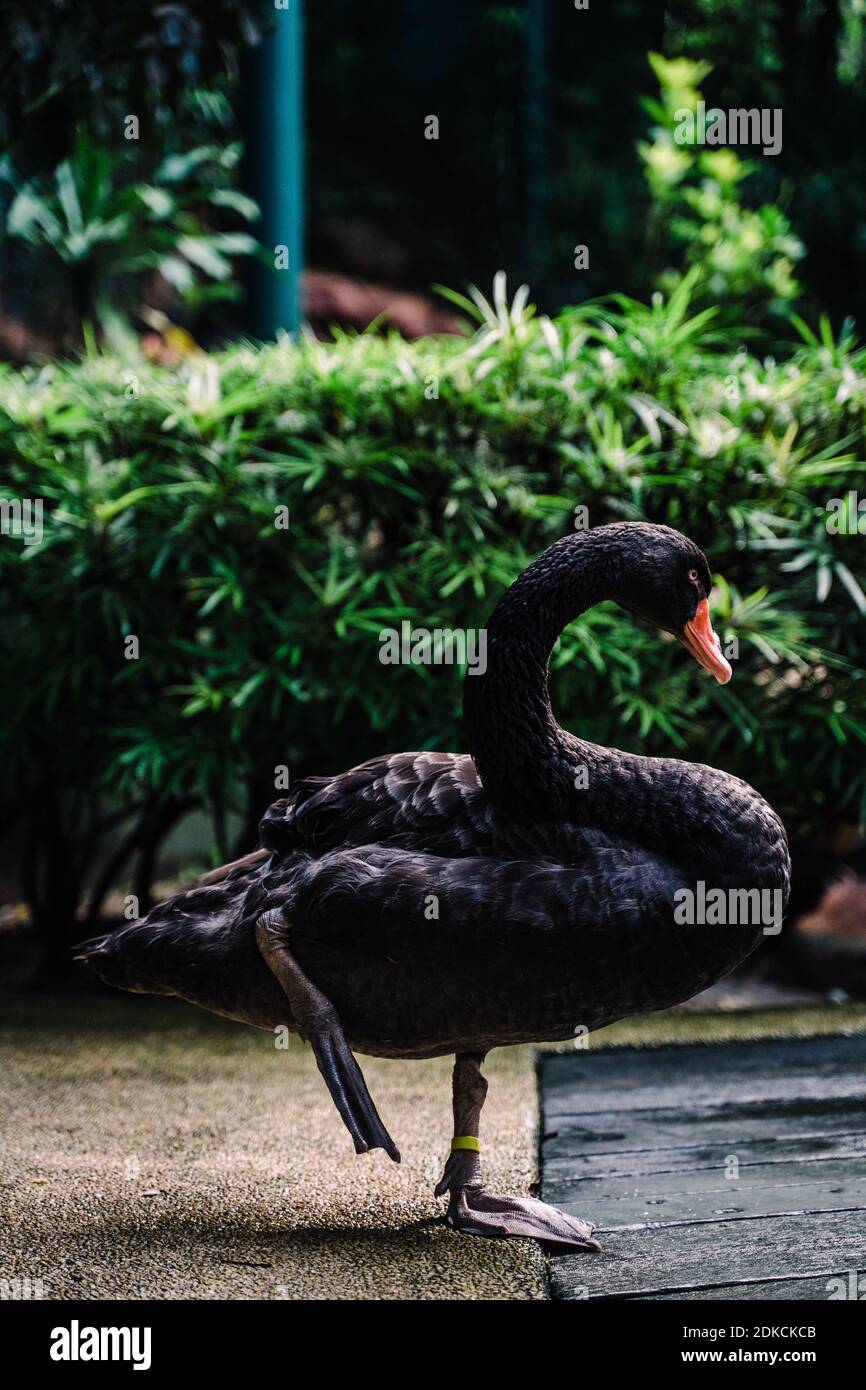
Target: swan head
{"x": 666, "y": 579}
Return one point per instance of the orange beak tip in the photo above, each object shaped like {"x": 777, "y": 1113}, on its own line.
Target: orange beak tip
{"x": 700, "y": 639}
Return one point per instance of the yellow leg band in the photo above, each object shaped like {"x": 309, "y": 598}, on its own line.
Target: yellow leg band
{"x": 465, "y": 1141}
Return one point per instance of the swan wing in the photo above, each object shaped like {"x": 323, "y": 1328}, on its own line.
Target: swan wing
{"x": 424, "y": 798}
{"x": 428, "y": 802}
{"x": 420, "y": 953}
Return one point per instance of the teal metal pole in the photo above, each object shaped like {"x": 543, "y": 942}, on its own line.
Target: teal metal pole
{"x": 274, "y": 163}
{"x": 536, "y": 136}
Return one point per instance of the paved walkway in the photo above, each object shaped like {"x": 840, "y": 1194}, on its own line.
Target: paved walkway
{"x": 727, "y": 1171}
{"x": 149, "y": 1150}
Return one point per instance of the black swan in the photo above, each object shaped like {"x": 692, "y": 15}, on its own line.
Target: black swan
{"x": 430, "y": 903}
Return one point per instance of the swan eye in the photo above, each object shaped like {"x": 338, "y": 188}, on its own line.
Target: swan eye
{"x": 693, "y": 576}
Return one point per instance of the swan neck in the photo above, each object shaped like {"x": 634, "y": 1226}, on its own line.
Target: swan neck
{"x": 535, "y": 771}
{"x": 525, "y": 760}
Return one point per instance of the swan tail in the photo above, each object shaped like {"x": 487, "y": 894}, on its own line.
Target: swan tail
{"x": 183, "y": 941}
{"x": 119, "y": 959}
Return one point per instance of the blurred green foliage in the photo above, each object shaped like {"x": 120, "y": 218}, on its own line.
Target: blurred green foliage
{"x": 68, "y": 65}
{"x": 120, "y": 162}
{"x": 540, "y": 106}
{"x": 745, "y": 257}
{"x": 105, "y": 235}
{"x": 419, "y": 480}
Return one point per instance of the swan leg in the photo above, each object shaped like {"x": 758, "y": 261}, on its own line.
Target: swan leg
{"x": 471, "y": 1208}
{"x": 318, "y": 1023}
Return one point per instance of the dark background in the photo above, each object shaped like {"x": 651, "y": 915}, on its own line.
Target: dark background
{"x": 540, "y": 109}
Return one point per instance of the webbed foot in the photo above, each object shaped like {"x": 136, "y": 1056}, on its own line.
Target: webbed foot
{"x": 480, "y": 1213}
{"x": 318, "y": 1023}
{"x": 345, "y": 1081}
{"x": 477, "y": 1212}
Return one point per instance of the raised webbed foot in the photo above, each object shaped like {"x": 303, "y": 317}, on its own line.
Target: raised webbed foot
{"x": 476, "y": 1212}
{"x": 348, "y": 1088}
{"x": 317, "y": 1022}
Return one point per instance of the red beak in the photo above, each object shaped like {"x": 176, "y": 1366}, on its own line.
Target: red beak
{"x": 698, "y": 637}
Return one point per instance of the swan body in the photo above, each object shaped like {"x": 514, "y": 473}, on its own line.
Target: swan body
{"x": 585, "y": 938}
{"x": 437, "y": 902}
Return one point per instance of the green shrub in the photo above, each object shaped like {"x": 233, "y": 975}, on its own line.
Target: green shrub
{"x": 743, "y": 259}
{"x": 98, "y": 235}
{"x": 420, "y": 479}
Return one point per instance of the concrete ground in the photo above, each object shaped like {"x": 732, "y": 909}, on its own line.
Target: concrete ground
{"x": 152, "y": 1151}
{"x": 149, "y": 1150}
